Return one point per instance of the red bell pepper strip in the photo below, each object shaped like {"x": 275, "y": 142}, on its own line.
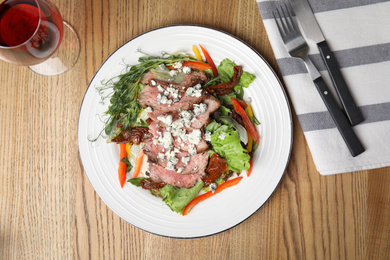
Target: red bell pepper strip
{"x": 122, "y": 166}
{"x": 250, "y": 168}
{"x": 138, "y": 163}
{"x": 209, "y": 61}
{"x": 208, "y": 194}
{"x": 242, "y": 102}
{"x": 193, "y": 65}
{"x": 250, "y": 128}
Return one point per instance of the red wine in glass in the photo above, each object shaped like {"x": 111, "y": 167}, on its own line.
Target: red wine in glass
{"x": 30, "y": 31}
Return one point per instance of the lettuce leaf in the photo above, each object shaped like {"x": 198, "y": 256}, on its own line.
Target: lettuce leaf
{"x": 178, "y": 198}
{"x": 225, "y": 69}
{"x": 227, "y": 143}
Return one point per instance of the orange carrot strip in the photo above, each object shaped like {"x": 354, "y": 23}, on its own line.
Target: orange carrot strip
{"x": 122, "y": 166}
{"x": 138, "y": 163}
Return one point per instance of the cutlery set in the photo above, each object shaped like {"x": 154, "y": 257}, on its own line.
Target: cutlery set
{"x": 298, "y": 48}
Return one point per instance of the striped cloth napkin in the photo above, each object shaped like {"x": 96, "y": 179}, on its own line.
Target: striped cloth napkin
{"x": 358, "y": 32}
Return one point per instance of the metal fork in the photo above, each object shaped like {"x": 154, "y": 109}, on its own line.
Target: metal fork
{"x": 298, "y": 48}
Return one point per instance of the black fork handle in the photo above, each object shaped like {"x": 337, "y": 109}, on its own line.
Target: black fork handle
{"x": 345, "y": 129}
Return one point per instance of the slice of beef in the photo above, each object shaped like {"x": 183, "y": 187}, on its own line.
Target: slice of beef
{"x": 202, "y": 119}
{"x": 177, "y": 142}
{"x": 196, "y": 163}
{"x": 159, "y": 174}
{"x": 195, "y": 77}
{"x": 156, "y": 113}
{"x": 191, "y": 79}
{"x": 152, "y": 150}
{"x": 148, "y": 98}
{"x": 147, "y": 77}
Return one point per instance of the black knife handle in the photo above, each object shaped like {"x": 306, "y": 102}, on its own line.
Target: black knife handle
{"x": 352, "y": 111}
{"x": 349, "y": 136}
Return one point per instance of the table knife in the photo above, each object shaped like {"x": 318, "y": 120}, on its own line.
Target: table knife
{"x": 313, "y": 32}
{"x": 353, "y": 143}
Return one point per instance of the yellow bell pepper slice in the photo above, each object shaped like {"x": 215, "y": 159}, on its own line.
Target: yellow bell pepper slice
{"x": 197, "y": 53}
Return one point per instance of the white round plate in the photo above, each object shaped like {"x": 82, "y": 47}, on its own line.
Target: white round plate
{"x": 224, "y": 210}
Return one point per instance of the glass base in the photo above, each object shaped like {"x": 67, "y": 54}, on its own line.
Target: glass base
{"x": 64, "y": 58}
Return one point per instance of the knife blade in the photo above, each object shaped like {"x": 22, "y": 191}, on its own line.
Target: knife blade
{"x": 312, "y": 31}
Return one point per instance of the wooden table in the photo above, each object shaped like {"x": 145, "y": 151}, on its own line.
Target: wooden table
{"x": 49, "y": 210}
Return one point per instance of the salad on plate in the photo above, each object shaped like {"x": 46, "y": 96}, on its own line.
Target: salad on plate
{"x": 184, "y": 130}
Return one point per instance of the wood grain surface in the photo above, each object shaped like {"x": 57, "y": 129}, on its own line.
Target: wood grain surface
{"x": 49, "y": 210}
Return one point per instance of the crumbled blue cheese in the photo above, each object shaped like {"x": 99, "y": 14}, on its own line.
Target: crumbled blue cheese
{"x": 173, "y": 73}
{"x": 161, "y": 66}
{"x": 222, "y": 136}
{"x": 186, "y": 116}
{"x": 170, "y": 166}
{"x": 166, "y": 140}
{"x": 195, "y": 136}
{"x": 180, "y": 169}
{"x": 192, "y": 149}
{"x": 186, "y": 70}
{"x": 177, "y": 65}
{"x": 160, "y": 89}
{"x": 195, "y": 91}
{"x": 186, "y": 159}
{"x": 177, "y": 124}
{"x": 162, "y": 99}
{"x": 199, "y": 108}
{"x": 173, "y": 91}
{"x": 153, "y": 82}
{"x": 207, "y": 136}
{"x": 166, "y": 119}
{"x": 172, "y": 160}
{"x": 161, "y": 156}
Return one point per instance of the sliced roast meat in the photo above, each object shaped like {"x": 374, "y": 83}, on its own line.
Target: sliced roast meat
{"x": 187, "y": 164}
{"x": 197, "y": 122}
{"x": 152, "y": 149}
{"x": 151, "y": 97}
{"x": 147, "y": 77}
{"x": 189, "y": 80}
{"x": 159, "y": 174}
{"x": 194, "y": 78}
{"x": 184, "y": 145}
{"x": 202, "y": 119}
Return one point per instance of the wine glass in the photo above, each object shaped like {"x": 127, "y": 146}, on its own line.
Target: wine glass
{"x": 32, "y": 33}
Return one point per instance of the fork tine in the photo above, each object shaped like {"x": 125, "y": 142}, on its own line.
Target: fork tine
{"x": 283, "y": 21}
{"x": 287, "y": 18}
{"x": 292, "y": 22}
{"x": 278, "y": 25}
